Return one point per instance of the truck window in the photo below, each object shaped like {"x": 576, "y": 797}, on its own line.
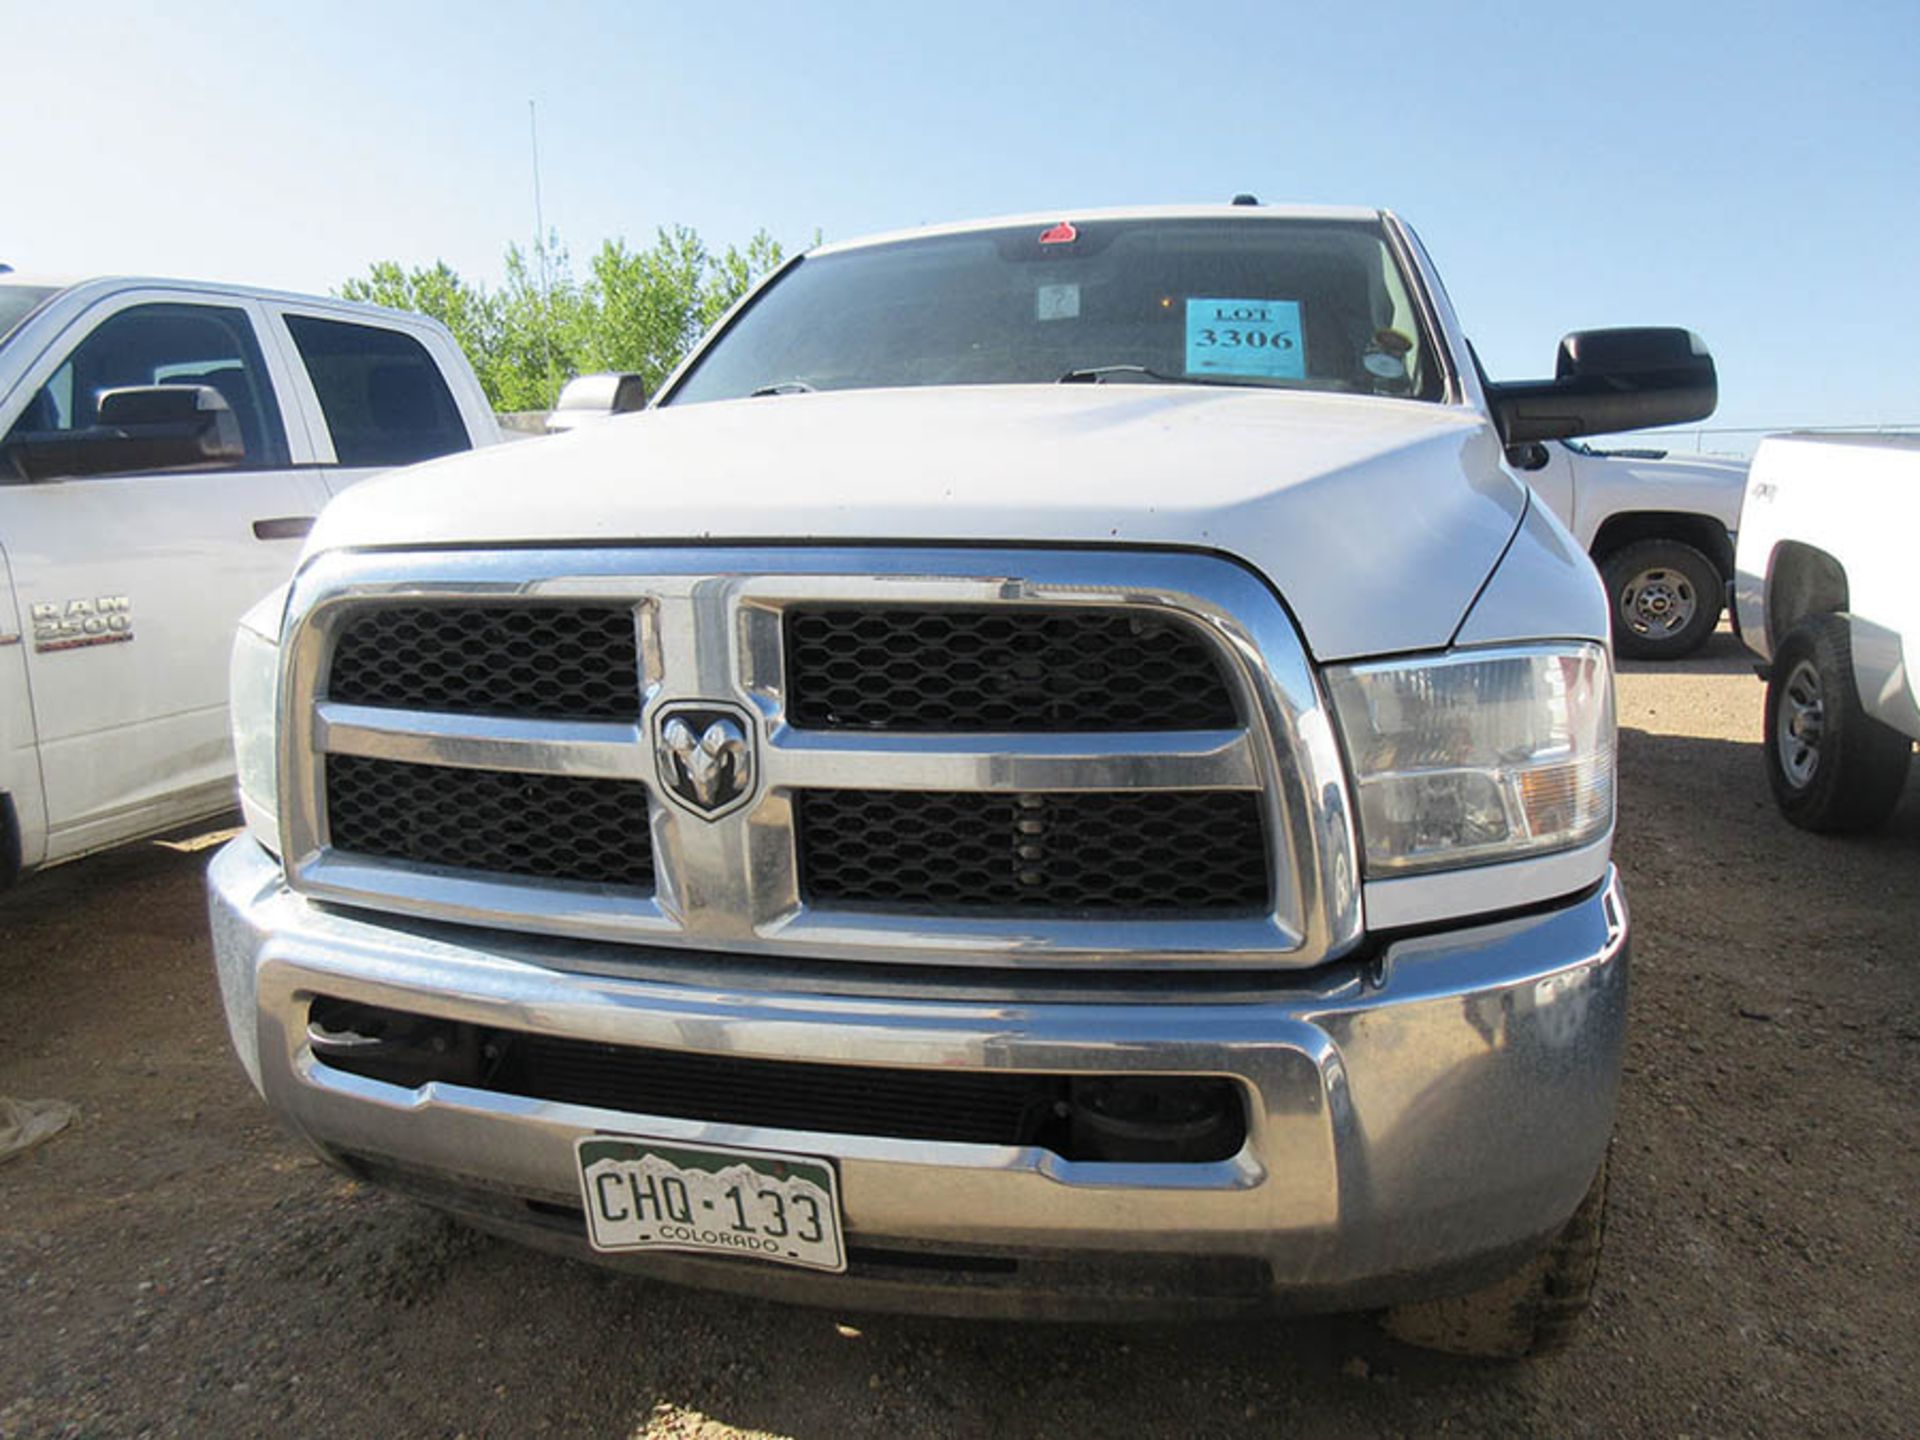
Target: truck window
{"x": 17, "y": 302}
{"x": 165, "y": 344}
{"x": 1278, "y": 303}
{"x": 382, "y": 394}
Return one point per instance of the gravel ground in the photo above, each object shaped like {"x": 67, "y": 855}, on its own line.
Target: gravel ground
{"x": 174, "y": 1265}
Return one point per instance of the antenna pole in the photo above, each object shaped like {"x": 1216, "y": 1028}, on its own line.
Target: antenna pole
{"x": 540, "y": 243}
{"x": 533, "y": 133}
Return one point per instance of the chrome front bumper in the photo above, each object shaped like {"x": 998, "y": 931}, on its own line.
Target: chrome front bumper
{"x": 1415, "y": 1123}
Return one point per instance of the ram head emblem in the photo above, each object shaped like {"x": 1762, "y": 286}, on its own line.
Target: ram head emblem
{"x": 705, "y": 758}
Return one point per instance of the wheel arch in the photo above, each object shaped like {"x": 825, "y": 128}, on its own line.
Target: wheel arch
{"x": 1802, "y": 580}
{"x": 1703, "y": 532}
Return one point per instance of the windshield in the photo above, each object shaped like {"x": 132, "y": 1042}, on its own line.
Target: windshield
{"x": 1291, "y": 304}
{"x": 17, "y": 302}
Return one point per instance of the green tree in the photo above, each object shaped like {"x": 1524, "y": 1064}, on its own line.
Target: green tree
{"x": 638, "y": 310}
{"x": 544, "y": 319}
{"x": 648, "y": 303}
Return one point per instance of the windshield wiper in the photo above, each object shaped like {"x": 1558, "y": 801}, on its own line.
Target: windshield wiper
{"x": 785, "y": 387}
{"x": 1098, "y": 375}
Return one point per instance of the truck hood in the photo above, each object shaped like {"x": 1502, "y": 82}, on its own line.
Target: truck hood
{"x": 1376, "y": 520}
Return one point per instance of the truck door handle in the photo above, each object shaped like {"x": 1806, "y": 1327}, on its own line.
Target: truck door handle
{"x": 282, "y": 527}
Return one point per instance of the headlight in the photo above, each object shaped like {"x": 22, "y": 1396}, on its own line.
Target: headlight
{"x": 254, "y": 682}
{"x": 1478, "y": 756}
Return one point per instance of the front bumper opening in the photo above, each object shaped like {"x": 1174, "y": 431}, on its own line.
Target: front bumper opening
{"x": 1137, "y": 1119}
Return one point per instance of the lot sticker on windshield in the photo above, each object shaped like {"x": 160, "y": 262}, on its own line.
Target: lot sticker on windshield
{"x": 1057, "y": 302}
{"x": 1246, "y": 337}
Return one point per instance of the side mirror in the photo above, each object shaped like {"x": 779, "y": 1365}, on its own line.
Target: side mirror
{"x": 139, "y": 427}
{"x": 594, "y": 397}
{"x": 1608, "y": 380}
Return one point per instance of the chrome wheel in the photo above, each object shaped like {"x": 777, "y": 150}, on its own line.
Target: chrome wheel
{"x": 1799, "y": 724}
{"x": 1658, "y": 603}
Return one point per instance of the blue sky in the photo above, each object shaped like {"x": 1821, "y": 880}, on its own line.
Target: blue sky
{"x": 1743, "y": 169}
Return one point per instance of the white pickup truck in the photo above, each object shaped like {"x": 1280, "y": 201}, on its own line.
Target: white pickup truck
{"x": 1055, "y": 770}
{"x": 164, "y": 447}
{"x": 1828, "y": 598}
{"x": 1660, "y": 529}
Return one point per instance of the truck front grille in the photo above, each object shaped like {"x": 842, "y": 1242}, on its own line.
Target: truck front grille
{"x": 953, "y": 757}
{"x": 1009, "y": 668}
{"x": 566, "y": 661}
{"x": 1190, "y": 851}
{"x": 553, "y": 827}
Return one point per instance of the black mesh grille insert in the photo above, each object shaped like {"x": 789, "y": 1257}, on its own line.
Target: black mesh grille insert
{"x": 1192, "y": 851}
{"x": 1004, "y": 668}
{"x": 562, "y": 662}
{"x": 980, "y": 1107}
{"x": 557, "y": 827}
{"x": 1154, "y": 1118}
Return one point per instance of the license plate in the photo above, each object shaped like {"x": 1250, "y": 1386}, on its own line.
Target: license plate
{"x": 642, "y": 1195}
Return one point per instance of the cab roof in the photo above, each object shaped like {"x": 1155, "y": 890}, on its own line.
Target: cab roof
{"x": 91, "y": 285}
{"x": 1044, "y": 219}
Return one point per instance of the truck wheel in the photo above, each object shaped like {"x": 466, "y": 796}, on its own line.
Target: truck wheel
{"x": 1833, "y": 767}
{"x": 1533, "y": 1312}
{"x": 1666, "y": 597}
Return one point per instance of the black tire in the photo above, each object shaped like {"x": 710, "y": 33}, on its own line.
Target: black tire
{"x": 1665, "y": 598}
{"x": 1834, "y": 769}
{"x": 1533, "y": 1312}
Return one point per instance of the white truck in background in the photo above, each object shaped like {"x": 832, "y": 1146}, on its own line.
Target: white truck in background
{"x": 1660, "y": 530}
{"x": 1828, "y": 598}
{"x": 164, "y": 447}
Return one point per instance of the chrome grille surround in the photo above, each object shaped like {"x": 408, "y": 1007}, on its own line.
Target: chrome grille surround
{"x": 708, "y": 623}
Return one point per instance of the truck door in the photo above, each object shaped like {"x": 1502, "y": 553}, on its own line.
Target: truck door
{"x": 129, "y": 585}
{"x": 376, "y": 396}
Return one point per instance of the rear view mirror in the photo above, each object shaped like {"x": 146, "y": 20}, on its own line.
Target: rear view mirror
{"x": 1609, "y": 380}
{"x": 594, "y": 397}
{"x": 139, "y": 428}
